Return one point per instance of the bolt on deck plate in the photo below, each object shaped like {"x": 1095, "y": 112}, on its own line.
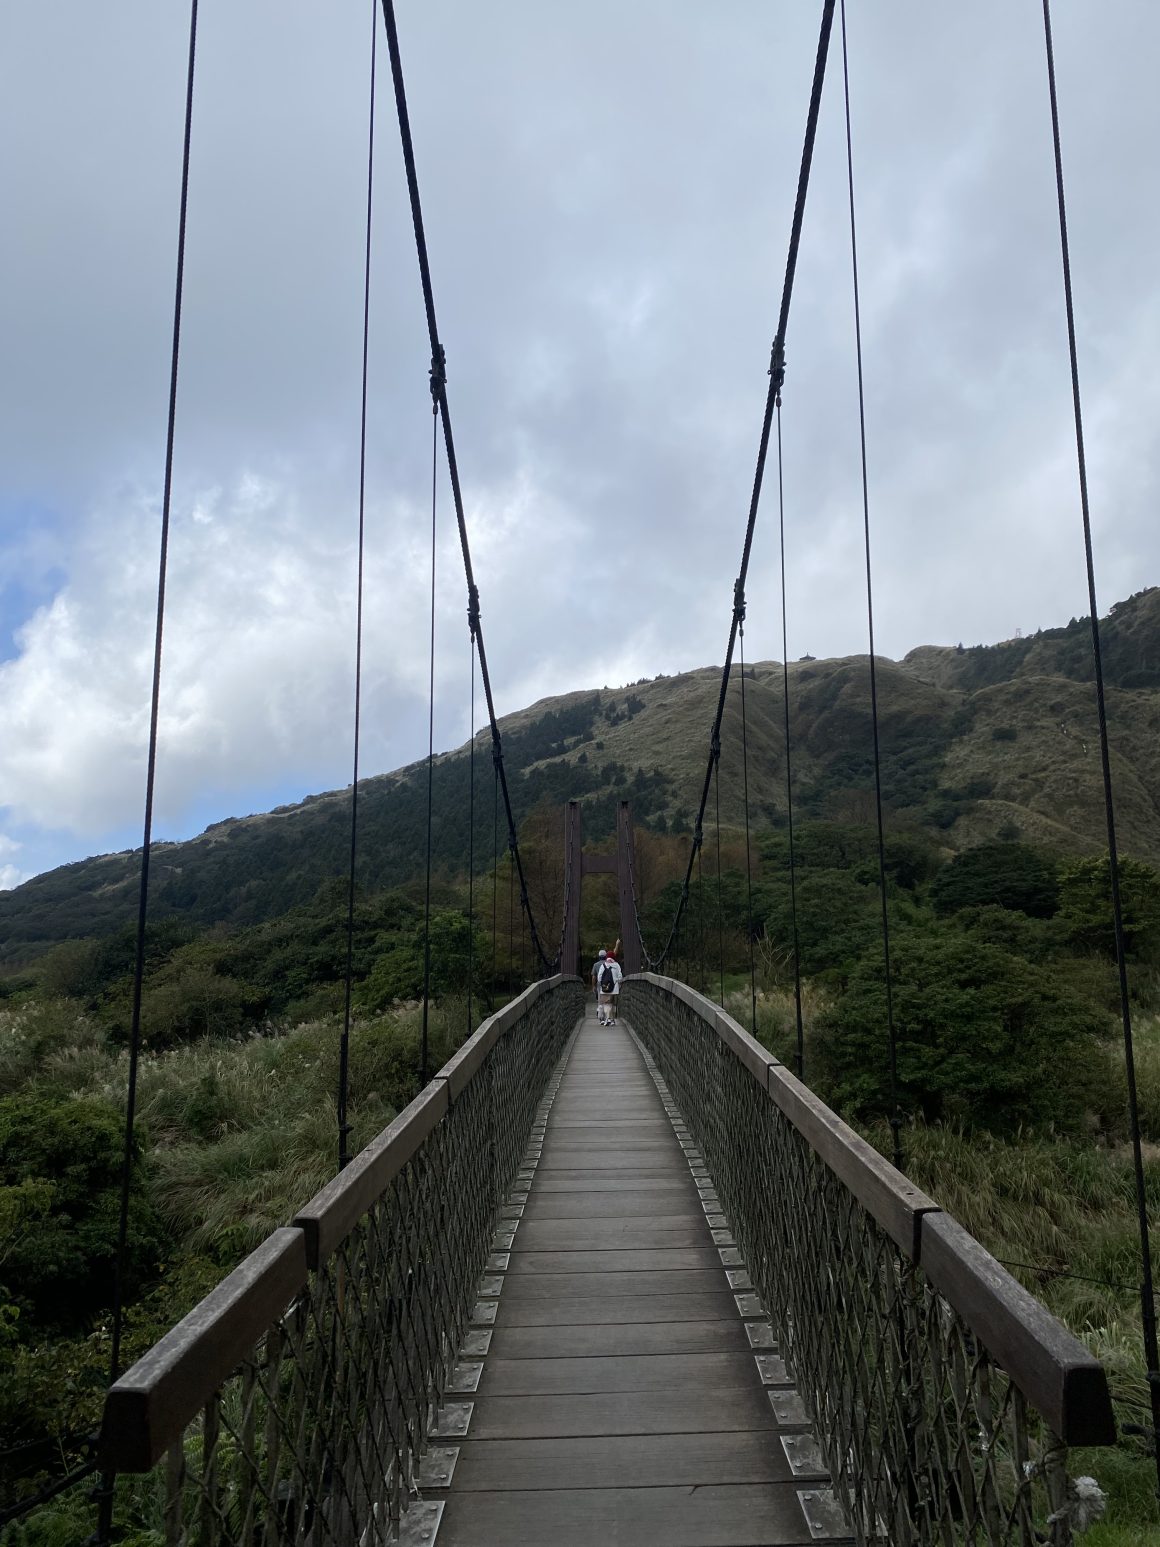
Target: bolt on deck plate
{"x": 465, "y": 1377}
{"x": 475, "y": 1345}
{"x": 731, "y": 1257}
{"x": 491, "y": 1286}
{"x": 760, "y": 1334}
{"x": 722, "y": 1235}
{"x": 788, "y": 1407}
{"x": 824, "y": 1514}
{"x": 452, "y": 1420}
{"x": 804, "y": 1455}
{"x": 498, "y": 1262}
{"x": 483, "y": 1312}
{"x": 438, "y": 1466}
{"x": 749, "y": 1305}
{"x": 739, "y": 1278}
{"x": 420, "y": 1525}
{"x": 771, "y": 1368}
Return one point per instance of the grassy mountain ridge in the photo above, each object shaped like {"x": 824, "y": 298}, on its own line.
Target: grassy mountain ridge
{"x": 977, "y": 743}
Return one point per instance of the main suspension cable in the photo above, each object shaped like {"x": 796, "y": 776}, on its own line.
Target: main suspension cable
{"x": 494, "y": 885}
{"x": 1147, "y": 1292}
{"x": 471, "y": 842}
{"x": 896, "y": 1114}
{"x": 430, "y": 757}
{"x": 105, "y": 1487}
{"x": 739, "y": 605}
{"x": 776, "y": 378}
{"x": 344, "y": 1042}
{"x": 797, "y": 970}
{"x": 720, "y": 900}
{"x": 439, "y": 393}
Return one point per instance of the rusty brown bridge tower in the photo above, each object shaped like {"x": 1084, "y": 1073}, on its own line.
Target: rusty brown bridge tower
{"x": 577, "y": 865}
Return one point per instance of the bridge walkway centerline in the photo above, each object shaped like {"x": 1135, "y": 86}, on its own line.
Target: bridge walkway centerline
{"x": 621, "y": 1382}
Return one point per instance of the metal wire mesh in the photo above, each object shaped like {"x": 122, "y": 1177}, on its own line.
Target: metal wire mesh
{"x": 927, "y": 1439}
{"x": 315, "y": 1437}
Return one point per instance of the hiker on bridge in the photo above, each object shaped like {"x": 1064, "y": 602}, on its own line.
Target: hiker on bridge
{"x": 606, "y": 976}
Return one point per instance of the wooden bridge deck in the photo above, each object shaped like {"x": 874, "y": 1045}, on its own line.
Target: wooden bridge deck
{"x": 628, "y": 1391}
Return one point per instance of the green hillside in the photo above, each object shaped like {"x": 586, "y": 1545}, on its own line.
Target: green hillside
{"x": 978, "y": 743}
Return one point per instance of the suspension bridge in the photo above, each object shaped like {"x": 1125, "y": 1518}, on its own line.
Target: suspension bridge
{"x": 611, "y": 1283}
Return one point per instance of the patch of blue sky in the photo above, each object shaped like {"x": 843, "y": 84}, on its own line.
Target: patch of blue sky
{"x": 31, "y": 565}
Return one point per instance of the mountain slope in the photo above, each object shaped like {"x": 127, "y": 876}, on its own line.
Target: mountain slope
{"x": 976, "y": 743}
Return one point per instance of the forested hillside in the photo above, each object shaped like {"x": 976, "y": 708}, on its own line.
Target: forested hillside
{"x": 978, "y": 743}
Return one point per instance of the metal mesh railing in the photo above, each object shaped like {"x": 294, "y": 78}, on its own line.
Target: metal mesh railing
{"x": 294, "y": 1404}
{"x": 929, "y": 1435}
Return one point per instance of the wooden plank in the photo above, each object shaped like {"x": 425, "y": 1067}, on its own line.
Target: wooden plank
{"x": 1055, "y": 1372}
{"x": 555, "y": 1158}
{"x": 549, "y": 1183}
{"x": 670, "y": 1373}
{"x": 630, "y": 1176}
{"x": 611, "y": 1234}
{"x": 883, "y": 1192}
{"x": 752, "y": 1515}
{"x": 639, "y": 1203}
{"x": 154, "y": 1400}
{"x": 584, "y": 1136}
{"x": 587, "y": 1341}
{"x": 578, "y": 1286}
{"x": 621, "y": 1412}
{"x": 622, "y": 1461}
{"x": 629, "y": 1260}
{"x": 617, "y": 1309}
{"x": 333, "y": 1212}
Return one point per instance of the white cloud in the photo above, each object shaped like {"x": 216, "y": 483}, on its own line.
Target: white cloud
{"x": 607, "y": 234}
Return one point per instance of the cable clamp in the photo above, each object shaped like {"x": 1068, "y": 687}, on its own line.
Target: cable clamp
{"x": 698, "y": 836}
{"x": 738, "y": 601}
{"x": 438, "y": 375}
{"x": 777, "y": 366}
{"x": 715, "y": 744}
{"x": 473, "y": 609}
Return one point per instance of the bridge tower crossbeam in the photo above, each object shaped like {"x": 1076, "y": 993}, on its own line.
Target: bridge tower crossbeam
{"x": 578, "y": 865}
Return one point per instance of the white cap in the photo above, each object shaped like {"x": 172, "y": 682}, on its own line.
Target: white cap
{"x": 601, "y": 953}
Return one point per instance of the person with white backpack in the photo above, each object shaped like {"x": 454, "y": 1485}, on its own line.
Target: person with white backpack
{"x": 608, "y": 975}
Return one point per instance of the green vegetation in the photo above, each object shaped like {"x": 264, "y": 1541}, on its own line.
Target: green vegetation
{"x": 1009, "y": 1053}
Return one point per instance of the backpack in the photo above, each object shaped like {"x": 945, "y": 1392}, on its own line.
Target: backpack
{"x": 607, "y": 981}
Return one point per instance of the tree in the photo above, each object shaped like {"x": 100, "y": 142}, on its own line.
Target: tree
{"x": 60, "y": 1173}
{"x": 398, "y": 969}
{"x": 976, "y": 1030}
{"x": 1085, "y": 911}
{"x": 1009, "y": 875}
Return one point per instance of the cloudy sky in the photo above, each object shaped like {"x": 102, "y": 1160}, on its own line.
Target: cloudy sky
{"x": 608, "y": 191}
